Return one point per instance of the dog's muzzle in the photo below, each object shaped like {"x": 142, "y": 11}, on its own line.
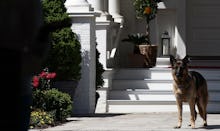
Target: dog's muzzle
{"x": 179, "y": 75}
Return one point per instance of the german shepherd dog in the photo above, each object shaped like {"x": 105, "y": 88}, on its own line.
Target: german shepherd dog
{"x": 191, "y": 87}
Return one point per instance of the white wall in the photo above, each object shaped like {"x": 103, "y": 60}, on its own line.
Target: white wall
{"x": 203, "y": 28}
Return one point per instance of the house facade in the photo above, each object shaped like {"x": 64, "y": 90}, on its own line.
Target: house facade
{"x": 193, "y": 28}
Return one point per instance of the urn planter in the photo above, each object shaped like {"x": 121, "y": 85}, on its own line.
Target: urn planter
{"x": 67, "y": 86}
{"x": 150, "y": 54}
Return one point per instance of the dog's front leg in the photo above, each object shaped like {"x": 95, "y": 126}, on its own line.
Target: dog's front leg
{"x": 180, "y": 112}
{"x": 192, "y": 112}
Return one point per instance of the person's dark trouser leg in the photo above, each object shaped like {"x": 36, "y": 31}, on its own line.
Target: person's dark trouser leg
{"x": 26, "y": 103}
{"x": 12, "y": 106}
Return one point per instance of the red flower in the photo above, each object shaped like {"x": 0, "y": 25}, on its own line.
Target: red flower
{"x": 42, "y": 80}
{"x": 51, "y": 75}
{"x": 35, "y": 82}
{"x": 43, "y": 74}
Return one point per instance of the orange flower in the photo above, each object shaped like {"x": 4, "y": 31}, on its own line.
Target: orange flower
{"x": 147, "y": 10}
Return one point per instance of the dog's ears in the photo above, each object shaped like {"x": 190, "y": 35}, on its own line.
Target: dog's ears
{"x": 186, "y": 59}
{"x": 172, "y": 60}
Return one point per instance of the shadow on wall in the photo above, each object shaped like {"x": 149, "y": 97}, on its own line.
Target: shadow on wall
{"x": 81, "y": 104}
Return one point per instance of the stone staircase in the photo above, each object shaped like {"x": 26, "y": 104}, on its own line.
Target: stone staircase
{"x": 135, "y": 90}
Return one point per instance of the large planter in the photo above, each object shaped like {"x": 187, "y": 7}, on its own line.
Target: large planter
{"x": 66, "y": 86}
{"x": 136, "y": 60}
{"x": 150, "y": 54}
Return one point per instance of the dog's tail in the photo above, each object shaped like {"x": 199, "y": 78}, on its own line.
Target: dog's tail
{"x": 202, "y": 93}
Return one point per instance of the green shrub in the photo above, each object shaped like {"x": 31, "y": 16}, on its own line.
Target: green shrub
{"x": 64, "y": 56}
{"x": 146, "y": 8}
{"x": 53, "y": 100}
{"x": 99, "y": 71}
{"x": 38, "y": 99}
{"x": 41, "y": 119}
{"x": 55, "y": 14}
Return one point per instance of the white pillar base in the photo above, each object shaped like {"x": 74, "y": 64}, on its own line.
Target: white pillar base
{"x": 84, "y": 98}
{"x": 83, "y": 24}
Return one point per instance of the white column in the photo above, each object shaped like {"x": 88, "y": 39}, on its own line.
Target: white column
{"x": 102, "y": 30}
{"x": 105, "y": 7}
{"x": 98, "y": 6}
{"x": 114, "y": 10}
{"x": 83, "y": 24}
{"x": 77, "y": 6}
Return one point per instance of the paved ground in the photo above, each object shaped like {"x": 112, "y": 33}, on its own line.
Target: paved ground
{"x": 134, "y": 122}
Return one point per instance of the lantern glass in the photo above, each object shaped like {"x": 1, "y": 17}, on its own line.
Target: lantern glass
{"x": 165, "y": 41}
{"x": 165, "y": 46}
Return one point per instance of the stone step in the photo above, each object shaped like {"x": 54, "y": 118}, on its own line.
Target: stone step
{"x": 213, "y": 85}
{"x": 153, "y": 84}
{"x": 163, "y": 62}
{"x": 150, "y": 90}
{"x": 142, "y": 73}
{"x": 161, "y": 73}
{"x": 209, "y": 74}
{"x": 136, "y": 106}
{"x": 152, "y": 95}
{"x": 142, "y": 84}
{"x": 213, "y": 107}
{"x": 140, "y": 102}
{"x": 142, "y": 95}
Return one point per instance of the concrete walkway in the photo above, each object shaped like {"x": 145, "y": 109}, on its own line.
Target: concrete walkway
{"x": 134, "y": 122}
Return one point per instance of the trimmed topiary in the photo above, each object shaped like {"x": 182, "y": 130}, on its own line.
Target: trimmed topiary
{"x": 64, "y": 56}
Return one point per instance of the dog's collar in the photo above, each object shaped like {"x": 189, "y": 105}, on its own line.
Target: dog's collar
{"x": 183, "y": 86}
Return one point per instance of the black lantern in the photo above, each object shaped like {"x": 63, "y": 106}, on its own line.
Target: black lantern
{"x": 165, "y": 41}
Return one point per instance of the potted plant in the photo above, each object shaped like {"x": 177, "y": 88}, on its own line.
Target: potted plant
{"x": 136, "y": 59}
{"x": 147, "y": 10}
{"x": 136, "y": 39}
